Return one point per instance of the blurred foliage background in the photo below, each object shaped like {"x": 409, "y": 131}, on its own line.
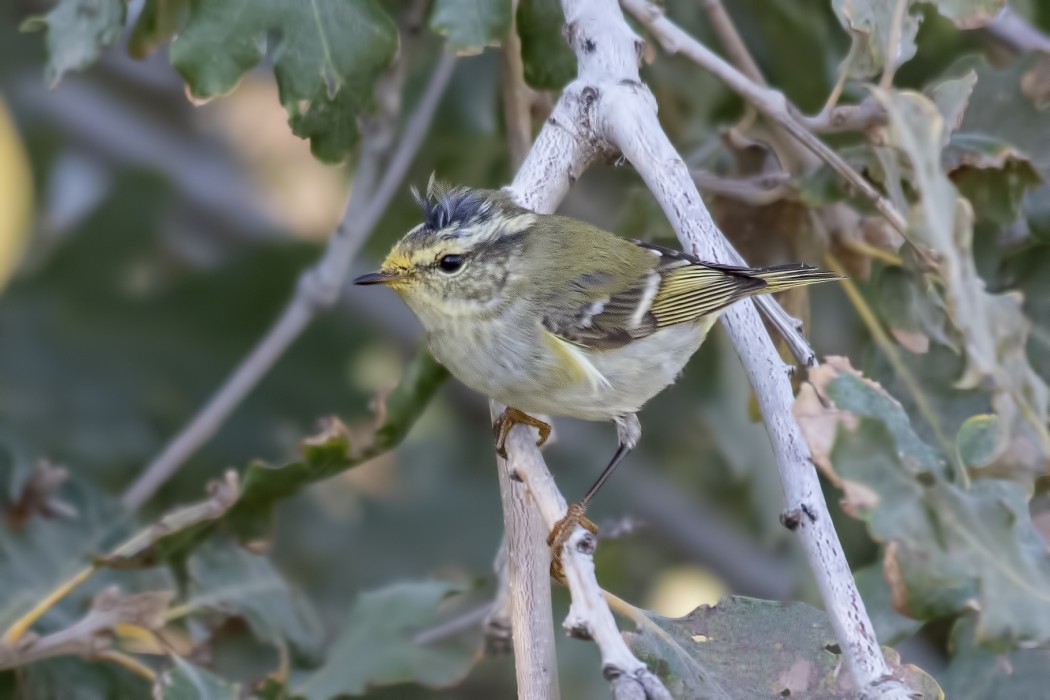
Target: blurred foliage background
{"x": 147, "y": 241}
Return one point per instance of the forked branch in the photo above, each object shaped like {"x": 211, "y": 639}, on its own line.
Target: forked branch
{"x": 608, "y": 109}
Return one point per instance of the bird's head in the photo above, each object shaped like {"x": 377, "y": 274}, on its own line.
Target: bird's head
{"x": 463, "y": 256}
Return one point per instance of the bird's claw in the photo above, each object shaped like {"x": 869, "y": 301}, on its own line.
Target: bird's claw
{"x": 574, "y": 516}
{"x": 508, "y": 419}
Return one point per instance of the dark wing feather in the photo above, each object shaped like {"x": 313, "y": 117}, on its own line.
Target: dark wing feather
{"x": 678, "y": 289}
{"x": 691, "y": 288}
{"x": 607, "y": 317}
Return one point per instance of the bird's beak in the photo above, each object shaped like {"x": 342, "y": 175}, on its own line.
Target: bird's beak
{"x": 379, "y": 277}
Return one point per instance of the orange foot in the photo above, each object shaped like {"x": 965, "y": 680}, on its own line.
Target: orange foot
{"x": 507, "y": 420}
{"x": 560, "y": 533}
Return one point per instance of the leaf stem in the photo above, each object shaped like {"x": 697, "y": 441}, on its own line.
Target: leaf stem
{"x": 128, "y": 662}
{"x": 22, "y": 624}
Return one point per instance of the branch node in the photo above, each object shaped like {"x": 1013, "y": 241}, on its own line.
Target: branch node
{"x": 316, "y": 288}
{"x": 498, "y": 636}
{"x": 578, "y": 629}
{"x": 791, "y": 518}
{"x": 586, "y": 544}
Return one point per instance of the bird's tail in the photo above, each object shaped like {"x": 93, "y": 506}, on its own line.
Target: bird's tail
{"x": 781, "y": 277}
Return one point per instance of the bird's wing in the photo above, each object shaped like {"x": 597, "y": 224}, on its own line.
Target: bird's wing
{"x": 677, "y": 289}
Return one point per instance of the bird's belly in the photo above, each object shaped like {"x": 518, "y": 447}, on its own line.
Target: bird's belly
{"x": 489, "y": 357}
{"x": 635, "y": 373}
{"x": 528, "y": 373}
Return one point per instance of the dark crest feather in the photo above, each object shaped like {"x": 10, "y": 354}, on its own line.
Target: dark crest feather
{"x": 444, "y": 205}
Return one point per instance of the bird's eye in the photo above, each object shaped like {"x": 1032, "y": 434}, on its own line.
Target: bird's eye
{"x": 450, "y": 263}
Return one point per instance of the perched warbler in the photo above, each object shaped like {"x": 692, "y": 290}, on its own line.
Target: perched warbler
{"x": 548, "y": 314}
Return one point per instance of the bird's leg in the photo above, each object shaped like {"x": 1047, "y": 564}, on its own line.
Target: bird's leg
{"x": 507, "y": 420}
{"x": 628, "y": 430}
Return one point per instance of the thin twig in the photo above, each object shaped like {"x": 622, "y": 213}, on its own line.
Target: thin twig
{"x": 318, "y": 289}
{"x": 731, "y": 40}
{"x": 1012, "y": 29}
{"x": 759, "y": 190}
{"x": 771, "y": 103}
{"x": 467, "y": 620}
{"x": 858, "y": 117}
{"x": 20, "y": 626}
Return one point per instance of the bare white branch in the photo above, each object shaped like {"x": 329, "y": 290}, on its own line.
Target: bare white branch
{"x": 529, "y": 585}
{"x": 318, "y": 287}
{"x": 564, "y": 148}
{"x": 610, "y": 107}
{"x": 589, "y": 615}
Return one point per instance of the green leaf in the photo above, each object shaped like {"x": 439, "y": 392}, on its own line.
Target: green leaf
{"x": 226, "y": 577}
{"x": 157, "y": 22}
{"x": 177, "y": 530}
{"x": 1027, "y": 269}
{"x": 991, "y": 328}
{"x": 1006, "y": 113}
{"x": 955, "y": 549}
{"x": 745, "y": 647}
{"x": 16, "y": 467}
{"x": 77, "y": 31}
{"x": 1036, "y": 206}
{"x": 980, "y": 440}
{"x": 861, "y": 398}
{"x": 912, "y": 309}
{"x": 978, "y": 674}
{"x": 375, "y": 646}
{"x": 550, "y": 64}
{"x": 1002, "y": 109}
{"x": 72, "y": 677}
{"x": 952, "y": 97}
{"x": 190, "y": 682}
{"x": 327, "y": 58}
{"x": 992, "y": 174}
{"x": 871, "y": 25}
{"x": 470, "y": 25}
{"x": 48, "y": 551}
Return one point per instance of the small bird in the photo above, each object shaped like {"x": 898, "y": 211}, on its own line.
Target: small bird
{"x": 551, "y": 315}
